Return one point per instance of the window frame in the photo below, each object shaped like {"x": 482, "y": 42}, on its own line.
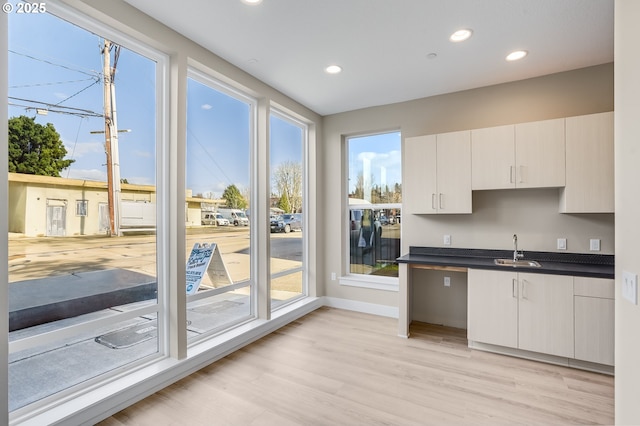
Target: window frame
{"x": 199, "y": 75}
{"x": 159, "y": 307}
{"x": 283, "y": 115}
{"x": 349, "y": 278}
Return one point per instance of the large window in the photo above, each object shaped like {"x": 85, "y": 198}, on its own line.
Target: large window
{"x": 288, "y": 140}
{"x": 85, "y": 305}
{"x": 113, "y": 143}
{"x": 219, "y": 140}
{"x": 374, "y": 205}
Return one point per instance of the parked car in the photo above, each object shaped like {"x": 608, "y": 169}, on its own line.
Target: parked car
{"x": 277, "y": 223}
{"x": 286, "y": 223}
{"x": 221, "y": 220}
{"x": 292, "y": 222}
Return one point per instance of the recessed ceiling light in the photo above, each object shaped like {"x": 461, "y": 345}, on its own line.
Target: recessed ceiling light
{"x": 333, "y": 69}
{"x": 252, "y": 1}
{"x": 516, "y": 55}
{"x": 461, "y": 35}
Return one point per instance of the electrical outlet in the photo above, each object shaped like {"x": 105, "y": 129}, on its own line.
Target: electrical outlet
{"x": 630, "y": 287}
{"x": 447, "y": 240}
{"x": 562, "y": 244}
{"x": 447, "y": 281}
{"x": 594, "y": 244}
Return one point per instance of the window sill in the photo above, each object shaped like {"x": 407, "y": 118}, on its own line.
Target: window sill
{"x": 370, "y": 281}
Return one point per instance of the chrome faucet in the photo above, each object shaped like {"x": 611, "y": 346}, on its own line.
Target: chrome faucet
{"x": 516, "y": 254}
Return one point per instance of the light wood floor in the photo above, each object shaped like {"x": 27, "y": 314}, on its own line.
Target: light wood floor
{"x": 336, "y": 367}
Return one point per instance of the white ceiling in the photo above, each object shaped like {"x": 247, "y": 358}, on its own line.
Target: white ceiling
{"x": 383, "y": 45}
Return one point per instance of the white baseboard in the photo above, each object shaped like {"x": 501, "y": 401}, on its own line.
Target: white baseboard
{"x": 364, "y": 307}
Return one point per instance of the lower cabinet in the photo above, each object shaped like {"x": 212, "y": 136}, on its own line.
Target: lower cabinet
{"x": 532, "y": 312}
{"x": 492, "y": 307}
{"x": 594, "y": 320}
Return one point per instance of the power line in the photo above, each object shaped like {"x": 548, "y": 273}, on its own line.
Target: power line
{"x": 61, "y": 109}
{"x": 79, "y": 91}
{"x": 24, "y": 86}
{"x": 92, "y": 73}
{"x": 209, "y": 155}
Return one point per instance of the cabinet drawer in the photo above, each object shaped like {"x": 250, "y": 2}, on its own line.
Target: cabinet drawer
{"x": 594, "y": 287}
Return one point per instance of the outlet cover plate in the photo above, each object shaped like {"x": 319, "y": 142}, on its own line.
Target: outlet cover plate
{"x": 594, "y": 244}
{"x": 630, "y": 287}
{"x": 562, "y": 243}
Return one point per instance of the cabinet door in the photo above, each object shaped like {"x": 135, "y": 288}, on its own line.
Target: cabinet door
{"x": 454, "y": 172}
{"x": 589, "y": 184}
{"x": 419, "y": 191}
{"x": 594, "y": 328}
{"x": 546, "y": 314}
{"x": 492, "y": 307}
{"x": 540, "y": 154}
{"x": 493, "y": 158}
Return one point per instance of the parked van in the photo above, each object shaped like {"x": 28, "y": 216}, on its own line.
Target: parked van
{"x": 235, "y": 216}
{"x": 210, "y": 218}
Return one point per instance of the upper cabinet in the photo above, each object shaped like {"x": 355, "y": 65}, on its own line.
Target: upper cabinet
{"x": 437, "y": 174}
{"x": 589, "y": 181}
{"x": 527, "y": 155}
{"x": 574, "y": 154}
{"x": 493, "y": 157}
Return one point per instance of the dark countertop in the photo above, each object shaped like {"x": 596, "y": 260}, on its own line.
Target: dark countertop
{"x": 576, "y": 264}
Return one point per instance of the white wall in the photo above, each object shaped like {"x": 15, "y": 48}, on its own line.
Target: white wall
{"x": 627, "y": 157}
{"x": 532, "y": 214}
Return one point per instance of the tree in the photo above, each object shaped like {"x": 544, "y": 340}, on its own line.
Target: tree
{"x": 283, "y": 203}
{"x": 234, "y": 198}
{"x": 287, "y": 178}
{"x": 35, "y": 149}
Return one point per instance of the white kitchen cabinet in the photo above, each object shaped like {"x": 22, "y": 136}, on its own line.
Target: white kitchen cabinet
{"x": 533, "y": 312}
{"x": 526, "y": 155}
{"x": 594, "y": 320}
{"x": 540, "y": 154}
{"x": 492, "y": 307}
{"x": 493, "y": 157}
{"x": 589, "y": 184}
{"x": 437, "y": 173}
{"x": 545, "y": 314}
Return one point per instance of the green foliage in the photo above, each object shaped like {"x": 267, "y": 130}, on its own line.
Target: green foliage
{"x": 284, "y": 204}
{"x": 233, "y": 198}
{"x": 35, "y": 149}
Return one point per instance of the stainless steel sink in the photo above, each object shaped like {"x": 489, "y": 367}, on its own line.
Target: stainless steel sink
{"x": 517, "y": 263}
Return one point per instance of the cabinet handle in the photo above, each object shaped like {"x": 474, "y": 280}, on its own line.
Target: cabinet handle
{"x": 440, "y": 200}
{"x": 433, "y": 201}
{"x": 514, "y": 285}
{"x": 511, "y": 174}
{"x": 524, "y": 288}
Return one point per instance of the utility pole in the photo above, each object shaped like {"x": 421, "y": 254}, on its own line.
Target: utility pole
{"x": 111, "y": 139}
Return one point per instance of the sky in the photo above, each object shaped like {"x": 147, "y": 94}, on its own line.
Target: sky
{"x": 58, "y": 66}
{"x": 382, "y": 153}
{"x": 54, "y": 62}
